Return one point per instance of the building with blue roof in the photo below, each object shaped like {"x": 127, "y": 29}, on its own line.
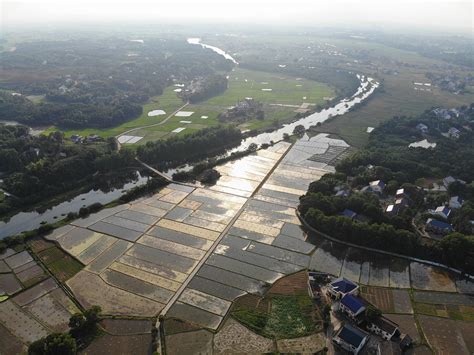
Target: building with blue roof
{"x": 350, "y": 338}
{"x": 349, "y": 213}
{"x": 438, "y": 226}
{"x": 341, "y": 287}
{"x": 352, "y": 305}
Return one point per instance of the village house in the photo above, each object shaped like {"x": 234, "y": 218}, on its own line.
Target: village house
{"x": 376, "y": 186}
{"x": 402, "y": 202}
{"x": 400, "y": 193}
{"x": 341, "y": 287}
{"x": 443, "y": 211}
{"x": 348, "y": 213}
{"x": 456, "y": 202}
{"x": 343, "y": 193}
{"x": 383, "y": 327}
{"x": 422, "y": 128}
{"x": 453, "y": 132}
{"x": 350, "y": 338}
{"x": 353, "y": 307}
{"x": 315, "y": 279}
{"x": 392, "y": 209}
{"x": 438, "y": 226}
{"x": 448, "y": 180}
{"x": 76, "y": 138}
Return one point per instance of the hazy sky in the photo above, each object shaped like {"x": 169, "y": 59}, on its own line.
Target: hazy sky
{"x": 441, "y": 14}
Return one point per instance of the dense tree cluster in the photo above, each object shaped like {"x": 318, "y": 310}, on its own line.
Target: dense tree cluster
{"x": 39, "y": 167}
{"x": 84, "y": 89}
{"x": 183, "y": 149}
{"x": 203, "y": 88}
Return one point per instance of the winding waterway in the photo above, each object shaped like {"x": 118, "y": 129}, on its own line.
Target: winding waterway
{"x": 24, "y": 221}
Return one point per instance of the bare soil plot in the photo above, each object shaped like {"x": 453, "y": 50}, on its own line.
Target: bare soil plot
{"x": 352, "y": 264}
{"x": 145, "y": 276}
{"x": 443, "y": 298}
{"x": 9, "y": 344}
{"x": 113, "y": 301}
{"x": 4, "y": 267}
{"x": 194, "y": 315}
{"x": 407, "y": 325}
{"x": 31, "y": 275}
{"x": 172, "y": 247}
{"x": 174, "y": 326}
{"x": 296, "y": 284}
{"x": 8, "y": 252}
{"x": 93, "y": 251}
{"x": 136, "y": 286}
{"x": 399, "y": 273}
{"x": 152, "y": 268}
{"x": 50, "y": 312}
{"x": 328, "y": 259}
{"x": 64, "y": 300}
{"x": 109, "y": 256}
{"x": 120, "y": 344}
{"x": 127, "y": 326}
{"x": 78, "y": 240}
{"x": 9, "y": 284}
{"x": 401, "y": 301}
{"x": 304, "y": 345}
{"x": 181, "y": 238}
{"x": 19, "y": 259}
{"x": 448, "y": 336}
{"x": 20, "y": 323}
{"x": 382, "y": 298}
{"x": 426, "y": 277}
{"x": 465, "y": 286}
{"x": 197, "y": 342}
{"x": 35, "y": 292}
{"x": 214, "y": 288}
{"x": 185, "y": 228}
{"x": 205, "y": 301}
{"x": 39, "y": 244}
{"x": 236, "y": 338}
{"x": 379, "y": 271}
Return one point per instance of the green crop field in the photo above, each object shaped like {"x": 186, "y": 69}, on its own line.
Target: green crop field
{"x": 285, "y": 90}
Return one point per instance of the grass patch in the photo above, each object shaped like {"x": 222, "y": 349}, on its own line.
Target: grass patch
{"x": 465, "y": 313}
{"x": 62, "y": 265}
{"x": 2, "y": 196}
{"x": 242, "y": 83}
{"x": 290, "y": 317}
{"x": 278, "y": 317}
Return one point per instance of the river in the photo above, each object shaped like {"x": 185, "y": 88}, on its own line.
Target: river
{"x": 24, "y": 221}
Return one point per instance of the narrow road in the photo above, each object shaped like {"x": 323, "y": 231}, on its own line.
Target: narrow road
{"x": 119, "y": 145}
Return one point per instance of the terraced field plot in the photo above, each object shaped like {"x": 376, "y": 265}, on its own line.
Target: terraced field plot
{"x": 34, "y": 313}
{"x": 137, "y": 255}
{"x": 18, "y": 271}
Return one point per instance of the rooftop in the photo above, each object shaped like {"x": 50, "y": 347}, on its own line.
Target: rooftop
{"x": 354, "y": 303}
{"x": 385, "y": 324}
{"x": 343, "y": 285}
{"x": 351, "y": 335}
{"x": 348, "y": 213}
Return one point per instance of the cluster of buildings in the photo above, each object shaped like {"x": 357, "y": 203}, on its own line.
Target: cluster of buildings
{"x": 438, "y": 223}
{"x": 354, "y": 333}
{"x": 75, "y": 138}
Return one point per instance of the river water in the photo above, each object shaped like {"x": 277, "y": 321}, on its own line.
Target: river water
{"x": 25, "y": 221}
